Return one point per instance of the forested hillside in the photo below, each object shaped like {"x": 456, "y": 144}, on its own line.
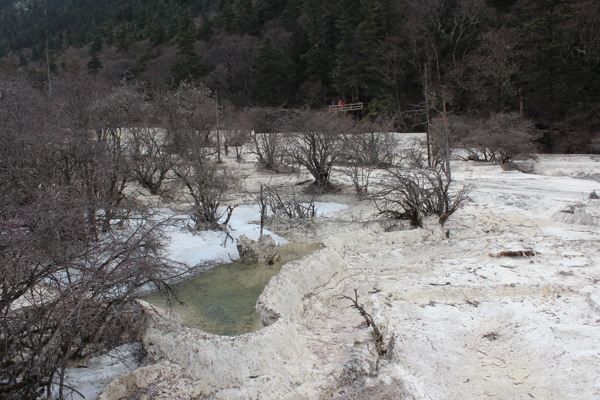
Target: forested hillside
{"x": 478, "y": 57}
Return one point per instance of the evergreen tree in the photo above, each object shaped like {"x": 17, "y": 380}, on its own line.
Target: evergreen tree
{"x": 371, "y": 33}
{"x": 206, "y": 30}
{"x": 272, "y": 75}
{"x": 503, "y": 5}
{"x": 190, "y": 65}
{"x": 246, "y": 17}
{"x": 94, "y": 65}
{"x": 321, "y": 36}
{"x": 270, "y": 9}
{"x": 547, "y": 73}
{"x": 349, "y": 63}
{"x": 157, "y": 32}
{"x": 362, "y": 34}
{"x": 227, "y": 18}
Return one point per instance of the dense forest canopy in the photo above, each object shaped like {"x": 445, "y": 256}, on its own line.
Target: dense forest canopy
{"x": 408, "y": 57}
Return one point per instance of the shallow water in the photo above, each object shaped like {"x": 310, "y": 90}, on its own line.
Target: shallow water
{"x": 222, "y": 301}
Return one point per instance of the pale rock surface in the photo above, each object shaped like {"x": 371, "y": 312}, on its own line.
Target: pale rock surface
{"x": 469, "y": 324}
{"x": 577, "y": 215}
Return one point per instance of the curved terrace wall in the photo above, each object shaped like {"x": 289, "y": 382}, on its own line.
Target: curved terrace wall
{"x": 215, "y": 362}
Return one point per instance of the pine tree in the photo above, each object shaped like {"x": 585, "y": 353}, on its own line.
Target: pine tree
{"x": 350, "y": 64}
{"x": 548, "y": 75}
{"x": 272, "y": 75}
{"x": 190, "y": 65}
{"x": 94, "y": 65}
{"x": 157, "y": 32}
{"x": 246, "y": 17}
{"x": 321, "y": 36}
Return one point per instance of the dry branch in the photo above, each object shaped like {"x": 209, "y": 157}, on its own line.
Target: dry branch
{"x": 382, "y": 350}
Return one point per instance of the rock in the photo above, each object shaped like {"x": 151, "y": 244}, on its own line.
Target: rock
{"x": 575, "y": 214}
{"x": 248, "y": 250}
{"x": 267, "y": 249}
{"x": 264, "y": 250}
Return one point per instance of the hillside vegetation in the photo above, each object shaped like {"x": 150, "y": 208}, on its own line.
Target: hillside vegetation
{"x": 539, "y": 58}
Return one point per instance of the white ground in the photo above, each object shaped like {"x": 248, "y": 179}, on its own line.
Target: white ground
{"x": 214, "y": 247}
{"x": 91, "y": 377}
{"x": 471, "y": 325}
{"x": 469, "y": 322}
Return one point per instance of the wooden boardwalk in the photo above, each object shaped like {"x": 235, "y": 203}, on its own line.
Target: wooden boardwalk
{"x": 346, "y": 107}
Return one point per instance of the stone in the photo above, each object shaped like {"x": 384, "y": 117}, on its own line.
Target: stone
{"x": 263, "y": 250}
{"x": 267, "y": 250}
{"x": 248, "y": 250}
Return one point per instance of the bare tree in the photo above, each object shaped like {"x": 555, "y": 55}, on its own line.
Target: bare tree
{"x": 232, "y": 57}
{"x": 149, "y": 155}
{"x": 237, "y": 127}
{"x": 268, "y": 137}
{"x": 64, "y": 286}
{"x": 316, "y": 143}
{"x": 188, "y": 113}
{"x": 273, "y": 204}
{"x": 206, "y": 182}
{"x": 106, "y": 154}
{"x": 414, "y": 194}
{"x": 372, "y": 147}
{"x": 441, "y": 141}
{"x": 500, "y": 138}
{"x": 392, "y": 69}
{"x": 494, "y": 73}
{"x": 441, "y": 34}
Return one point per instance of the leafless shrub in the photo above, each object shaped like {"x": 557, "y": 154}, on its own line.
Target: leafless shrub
{"x": 417, "y": 193}
{"x": 206, "y": 183}
{"x": 316, "y": 144}
{"x": 498, "y": 139}
{"x": 360, "y": 175}
{"x": 58, "y": 304}
{"x": 270, "y": 149}
{"x": 64, "y": 289}
{"x": 414, "y": 157}
{"x": 64, "y": 283}
{"x": 269, "y": 141}
{"x": 363, "y": 153}
{"x": 150, "y": 159}
{"x": 372, "y": 143}
{"x": 236, "y": 139}
{"x": 276, "y": 205}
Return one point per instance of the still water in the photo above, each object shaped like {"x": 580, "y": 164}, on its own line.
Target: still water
{"x": 222, "y": 301}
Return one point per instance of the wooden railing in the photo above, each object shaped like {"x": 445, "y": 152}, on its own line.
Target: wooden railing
{"x": 346, "y": 107}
